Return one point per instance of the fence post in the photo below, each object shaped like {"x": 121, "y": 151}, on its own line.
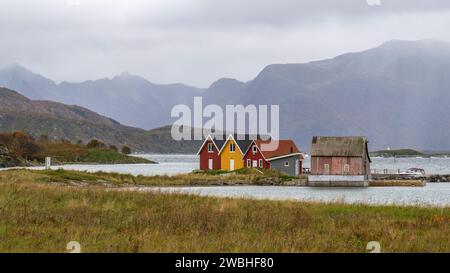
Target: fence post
{"x": 48, "y": 163}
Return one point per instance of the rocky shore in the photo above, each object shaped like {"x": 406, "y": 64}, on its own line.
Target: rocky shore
{"x": 427, "y": 178}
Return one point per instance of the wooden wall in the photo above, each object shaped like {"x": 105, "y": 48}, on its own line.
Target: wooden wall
{"x": 336, "y": 165}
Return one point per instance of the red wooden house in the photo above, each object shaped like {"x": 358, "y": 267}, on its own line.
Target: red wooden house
{"x": 209, "y": 153}
{"x": 339, "y": 161}
{"x": 286, "y": 157}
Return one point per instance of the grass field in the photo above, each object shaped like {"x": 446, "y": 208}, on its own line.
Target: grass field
{"x": 114, "y": 179}
{"x": 39, "y": 216}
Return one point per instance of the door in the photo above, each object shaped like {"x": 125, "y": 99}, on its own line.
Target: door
{"x": 231, "y": 164}
{"x": 297, "y": 167}
{"x": 210, "y": 164}
{"x": 255, "y": 164}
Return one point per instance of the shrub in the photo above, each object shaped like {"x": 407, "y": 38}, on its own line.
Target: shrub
{"x": 95, "y": 144}
{"x": 113, "y": 148}
{"x": 126, "y": 150}
{"x": 20, "y": 145}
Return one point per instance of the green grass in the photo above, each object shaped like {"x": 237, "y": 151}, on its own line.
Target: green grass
{"x": 400, "y": 152}
{"x": 73, "y": 153}
{"x": 115, "y": 179}
{"x": 106, "y": 156}
{"x": 42, "y": 217}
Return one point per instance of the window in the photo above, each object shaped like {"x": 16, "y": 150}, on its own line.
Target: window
{"x": 346, "y": 168}
{"x": 260, "y": 163}
{"x": 249, "y": 163}
{"x": 210, "y": 148}
{"x": 254, "y": 149}
{"x": 286, "y": 163}
{"x": 232, "y": 147}
{"x": 326, "y": 168}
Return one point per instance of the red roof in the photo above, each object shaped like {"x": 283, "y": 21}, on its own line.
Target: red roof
{"x": 284, "y": 147}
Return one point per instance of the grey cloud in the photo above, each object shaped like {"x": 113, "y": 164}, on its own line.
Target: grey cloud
{"x": 198, "y": 41}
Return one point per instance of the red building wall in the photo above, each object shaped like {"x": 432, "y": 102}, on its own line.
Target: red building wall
{"x": 336, "y": 165}
{"x": 255, "y": 156}
{"x": 205, "y": 155}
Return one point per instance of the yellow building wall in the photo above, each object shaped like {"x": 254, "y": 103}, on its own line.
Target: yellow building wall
{"x": 226, "y": 156}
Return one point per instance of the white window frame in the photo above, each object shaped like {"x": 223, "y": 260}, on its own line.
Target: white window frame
{"x": 232, "y": 148}
{"x": 254, "y": 163}
{"x": 210, "y": 147}
{"x": 286, "y": 163}
{"x": 249, "y": 163}
{"x": 254, "y": 149}
{"x": 346, "y": 168}
{"x": 260, "y": 163}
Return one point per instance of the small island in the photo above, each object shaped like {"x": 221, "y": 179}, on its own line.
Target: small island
{"x": 397, "y": 153}
{"x": 19, "y": 149}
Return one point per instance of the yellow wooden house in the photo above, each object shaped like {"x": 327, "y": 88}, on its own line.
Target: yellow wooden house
{"x": 232, "y": 152}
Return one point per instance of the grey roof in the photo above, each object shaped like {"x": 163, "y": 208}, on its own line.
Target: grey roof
{"x": 219, "y": 139}
{"x": 339, "y": 146}
{"x": 243, "y": 141}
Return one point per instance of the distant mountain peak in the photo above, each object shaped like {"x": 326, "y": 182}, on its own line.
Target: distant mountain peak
{"x": 224, "y": 82}
{"x": 16, "y": 67}
{"x": 427, "y": 44}
{"x": 126, "y": 75}
{"x": 421, "y": 41}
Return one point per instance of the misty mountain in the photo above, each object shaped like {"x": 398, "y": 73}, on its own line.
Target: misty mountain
{"x": 396, "y": 94}
{"x": 70, "y": 122}
{"x": 130, "y": 99}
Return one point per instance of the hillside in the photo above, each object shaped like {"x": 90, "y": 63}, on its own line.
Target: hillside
{"x": 19, "y": 149}
{"x": 74, "y": 123}
{"x": 128, "y": 98}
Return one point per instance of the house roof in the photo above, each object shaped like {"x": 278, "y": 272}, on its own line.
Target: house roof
{"x": 354, "y": 146}
{"x": 284, "y": 148}
{"x": 242, "y": 141}
{"x": 219, "y": 140}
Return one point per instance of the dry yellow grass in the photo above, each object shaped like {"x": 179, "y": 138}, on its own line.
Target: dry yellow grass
{"x": 397, "y": 183}
{"x": 42, "y": 217}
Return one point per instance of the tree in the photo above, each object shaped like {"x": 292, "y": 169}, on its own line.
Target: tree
{"x": 43, "y": 138}
{"x": 21, "y": 145}
{"x": 95, "y": 144}
{"x": 113, "y": 147}
{"x": 126, "y": 150}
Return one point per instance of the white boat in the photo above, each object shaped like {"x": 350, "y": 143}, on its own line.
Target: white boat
{"x": 415, "y": 172}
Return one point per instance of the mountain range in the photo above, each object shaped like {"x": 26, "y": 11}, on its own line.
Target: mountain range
{"x": 71, "y": 122}
{"x": 397, "y": 94}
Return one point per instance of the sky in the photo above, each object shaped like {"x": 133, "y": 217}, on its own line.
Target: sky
{"x": 199, "y": 41}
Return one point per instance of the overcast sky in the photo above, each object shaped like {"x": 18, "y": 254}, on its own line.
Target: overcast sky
{"x": 198, "y": 41}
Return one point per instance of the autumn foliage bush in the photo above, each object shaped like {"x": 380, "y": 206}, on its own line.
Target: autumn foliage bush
{"x": 20, "y": 145}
